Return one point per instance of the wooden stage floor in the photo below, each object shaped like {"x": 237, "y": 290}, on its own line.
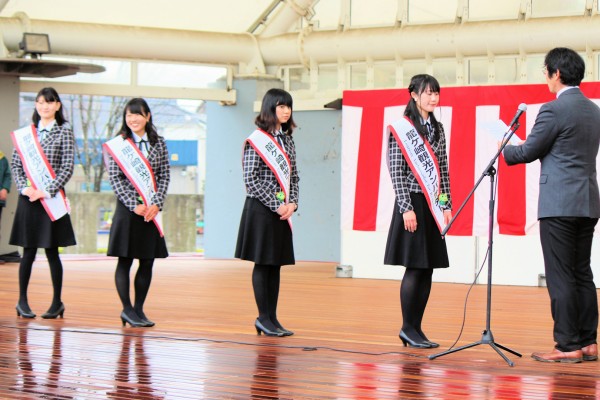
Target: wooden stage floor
{"x": 204, "y": 345}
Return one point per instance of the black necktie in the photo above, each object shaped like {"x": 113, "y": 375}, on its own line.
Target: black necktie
{"x": 144, "y": 143}
{"x": 280, "y": 141}
{"x": 42, "y": 134}
{"x": 430, "y": 132}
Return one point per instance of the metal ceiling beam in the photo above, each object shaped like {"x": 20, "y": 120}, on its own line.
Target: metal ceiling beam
{"x": 533, "y": 36}
{"x": 287, "y": 16}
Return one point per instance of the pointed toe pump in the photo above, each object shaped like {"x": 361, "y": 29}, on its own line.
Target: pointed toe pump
{"x": 285, "y": 332}
{"x": 24, "y": 313}
{"x": 147, "y": 322}
{"x": 54, "y": 314}
{"x": 413, "y": 343}
{"x": 134, "y": 322}
{"x": 260, "y": 328}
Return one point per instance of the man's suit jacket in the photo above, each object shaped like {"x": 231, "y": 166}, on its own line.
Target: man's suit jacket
{"x": 565, "y": 138}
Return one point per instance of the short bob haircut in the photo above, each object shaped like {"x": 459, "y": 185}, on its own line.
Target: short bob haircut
{"x": 50, "y": 95}
{"x": 267, "y": 119}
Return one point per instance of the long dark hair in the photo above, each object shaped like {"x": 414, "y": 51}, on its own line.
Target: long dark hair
{"x": 50, "y": 95}
{"x": 267, "y": 119}
{"x": 419, "y": 84}
{"x": 139, "y": 106}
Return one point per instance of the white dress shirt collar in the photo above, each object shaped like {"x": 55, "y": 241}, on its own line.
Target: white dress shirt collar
{"x": 47, "y": 127}
{"x": 145, "y": 148}
{"x": 561, "y": 91}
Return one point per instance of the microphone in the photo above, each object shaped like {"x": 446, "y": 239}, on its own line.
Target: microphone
{"x": 521, "y": 109}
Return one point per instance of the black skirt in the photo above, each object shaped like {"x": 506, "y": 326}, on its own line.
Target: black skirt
{"x": 132, "y": 237}
{"x": 263, "y": 237}
{"x": 32, "y": 227}
{"x": 425, "y": 248}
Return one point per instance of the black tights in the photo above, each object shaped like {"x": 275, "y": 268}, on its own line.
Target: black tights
{"x": 56, "y": 274}
{"x": 141, "y": 284}
{"x": 265, "y": 281}
{"x": 414, "y": 293}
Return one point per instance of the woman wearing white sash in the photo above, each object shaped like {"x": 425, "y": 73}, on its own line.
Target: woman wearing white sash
{"x": 414, "y": 238}
{"x": 32, "y": 227}
{"x": 265, "y": 234}
{"x": 133, "y": 233}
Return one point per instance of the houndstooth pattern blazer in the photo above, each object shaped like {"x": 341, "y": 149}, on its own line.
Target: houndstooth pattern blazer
{"x": 158, "y": 157}
{"x": 404, "y": 181}
{"x": 59, "y": 147}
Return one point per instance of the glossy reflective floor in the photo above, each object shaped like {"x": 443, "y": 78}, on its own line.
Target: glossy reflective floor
{"x": 204, "y": 345}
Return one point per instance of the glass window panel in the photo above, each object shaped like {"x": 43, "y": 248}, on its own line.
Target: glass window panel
{"x": 557, "y": 8}
{"x": 384, "y": 75}
{"x": 181, "y": 75}
{"x": 478, "y": 72}
{"x": 327, "y": 77}
{"x": 299, "y": 79}
{"x": 445, "y": 71}
{"x": 327, "y": 13}
{"x": 486, "y": 10}
{"x": 412, "y": 68}
{"x": 507, "y": 70}
{"x": 432, "y": 10}
{"x": 535, "y": 69}
{"x": 373, "y": 12}
{"x": 116, "y": 72}
{"x": 358, "y": 76}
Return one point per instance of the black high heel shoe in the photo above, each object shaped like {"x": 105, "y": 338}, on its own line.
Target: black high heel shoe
{"x": 432, "y": 345}
{"x": 412, "y": 343}
{"x": 134, "y": 322}
{"x": 52, "y": 315}
{"x": 144, "y": 319}
{"x": 23, "y": 313}
{"x": 285, "y": 332}
{"x": 261, "y": 328}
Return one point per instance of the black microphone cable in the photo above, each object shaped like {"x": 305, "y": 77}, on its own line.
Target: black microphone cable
{"x": 462, "y": 326}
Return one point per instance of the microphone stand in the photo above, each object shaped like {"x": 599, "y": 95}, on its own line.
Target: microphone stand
{"x": 487, "y": 336}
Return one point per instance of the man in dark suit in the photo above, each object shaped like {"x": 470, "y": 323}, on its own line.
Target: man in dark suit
{"x": 565, "y": 138}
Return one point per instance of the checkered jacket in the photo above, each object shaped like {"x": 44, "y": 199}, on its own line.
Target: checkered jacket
{"x": 158, "y": 157}
{"x": 403, "y": 180}
{"x": 260, "y": 181}
{"x": 59, "y": 147}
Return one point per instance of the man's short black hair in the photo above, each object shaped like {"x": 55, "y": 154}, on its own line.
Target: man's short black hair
{"x": 568, "y": 62}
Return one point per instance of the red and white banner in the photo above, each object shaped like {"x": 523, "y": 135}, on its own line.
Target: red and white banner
{"x": 367, "y": 194}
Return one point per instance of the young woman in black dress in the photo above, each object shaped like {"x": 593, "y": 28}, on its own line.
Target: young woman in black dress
{"x": 32, "y": 227}
{"x": 265, "y": 234}
{"x": 414, "y": 239}
{"x": 133, "y": 233}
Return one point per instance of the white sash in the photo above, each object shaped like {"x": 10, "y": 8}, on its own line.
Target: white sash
{"x": 423, "y": 164}
{"x": 276, "y": 159}
{"x": 137, "y": 169}
{"x": 38, "y": 170}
